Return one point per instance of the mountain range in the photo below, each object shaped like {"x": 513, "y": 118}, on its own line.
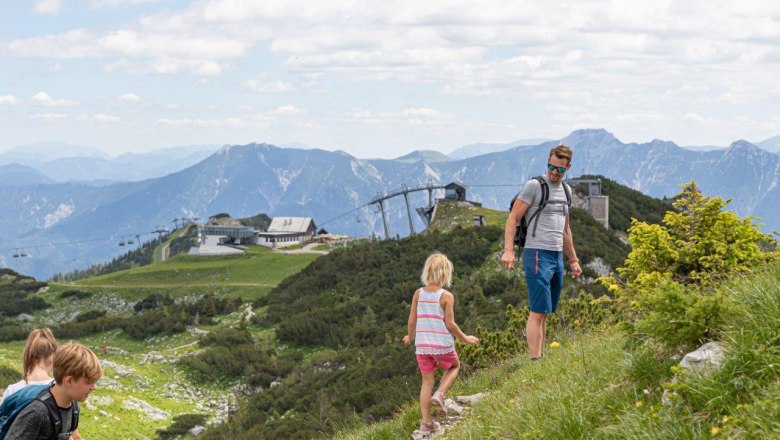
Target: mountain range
{"x": 62, "y": 162}
{"x": 63, "y": 226}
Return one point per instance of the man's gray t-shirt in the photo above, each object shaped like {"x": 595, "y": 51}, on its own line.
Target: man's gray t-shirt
{"x": 33, "y": 423}
{"x": 552, "y": 219}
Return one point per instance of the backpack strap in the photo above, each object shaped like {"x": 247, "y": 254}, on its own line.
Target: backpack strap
{"x": 542, "y": 202}
{"x": 54, "y": 413}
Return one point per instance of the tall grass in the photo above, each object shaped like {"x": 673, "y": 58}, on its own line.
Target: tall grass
{"x": 605, "y": 385}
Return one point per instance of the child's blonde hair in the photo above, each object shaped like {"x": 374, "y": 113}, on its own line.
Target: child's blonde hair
{"x": 437, "y": 270}
{"x": 40, "y": 346}
{"x": 78, "y": 361}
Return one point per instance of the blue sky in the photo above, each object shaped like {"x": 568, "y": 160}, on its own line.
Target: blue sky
{"x": 380, "y": 79}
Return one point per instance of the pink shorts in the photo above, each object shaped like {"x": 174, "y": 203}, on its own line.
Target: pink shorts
{"x": 429, "y": 362}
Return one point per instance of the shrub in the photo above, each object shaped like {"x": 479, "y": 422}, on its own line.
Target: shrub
{"x": 181, "y": 425}
{"x": 80, "y": 294}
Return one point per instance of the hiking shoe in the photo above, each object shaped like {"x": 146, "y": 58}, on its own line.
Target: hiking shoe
{"x": 438, "y": 399}
{"x": 430, "y": 426}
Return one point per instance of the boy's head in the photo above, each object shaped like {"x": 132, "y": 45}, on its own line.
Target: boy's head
{"x": 76, "y": 370}
{"x": 437, "y": 270}
{"x": 39, "y": 349}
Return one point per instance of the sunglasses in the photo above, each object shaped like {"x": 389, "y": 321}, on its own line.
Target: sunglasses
{"x": 552, "y": 167}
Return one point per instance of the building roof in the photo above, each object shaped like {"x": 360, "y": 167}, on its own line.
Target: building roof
{"x": 290, "y": 224}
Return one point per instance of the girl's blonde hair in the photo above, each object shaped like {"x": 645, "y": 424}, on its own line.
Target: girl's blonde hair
{"x": 40, "y": 346}
{"x": 437, "y": 270}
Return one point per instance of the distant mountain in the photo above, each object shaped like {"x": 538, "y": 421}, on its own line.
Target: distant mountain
{"x": 429, "y": 156}
{"x": 246, "y": 179}
{"x": 468, "y": 151}
{"x": 771, "y": 144}
{"x": 46, "y": 151}
{"x": 703, "y": 147}
{"x": 125, "y": 167}
{"x": 19, "y": 175}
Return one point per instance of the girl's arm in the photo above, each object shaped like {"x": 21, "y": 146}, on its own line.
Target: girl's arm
{"x": 412, "y": 322}
{"x": 449, "y": 319}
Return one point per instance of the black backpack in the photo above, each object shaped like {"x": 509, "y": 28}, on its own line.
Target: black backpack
{"x": 14, "y": 404}
{"x": 522, "y": 226}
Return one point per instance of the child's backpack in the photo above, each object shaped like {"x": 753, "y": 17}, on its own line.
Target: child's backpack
{"x": 14, "y": 404}
{"x": 522, "y": 226}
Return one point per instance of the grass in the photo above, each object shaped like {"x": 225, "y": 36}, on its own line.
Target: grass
{"x": 250, "y": 275}
{"x": 605, "y": 385}
{"x": 106, "y": 414}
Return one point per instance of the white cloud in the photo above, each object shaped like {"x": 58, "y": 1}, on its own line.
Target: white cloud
{"x": 167, "y": 66}
{"x": 102, "y": 117}
{"x": 130, "y": 97}
{"x": 48, "y": 116}
{"x": 408, "y": 116}
{"x": 8, "y": 100}
{"x": 262, "y": 85}
{"x": 98, "y": 4}
{"x": 44, "y": 99}
{"x": 42, "y": 7}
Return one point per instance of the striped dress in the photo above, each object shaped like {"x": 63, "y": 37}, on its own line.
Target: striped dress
{"x": 431, "y": 336}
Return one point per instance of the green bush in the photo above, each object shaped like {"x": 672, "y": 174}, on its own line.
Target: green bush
{"x": 80, "y": 294}
{"x": 8, "y": 376}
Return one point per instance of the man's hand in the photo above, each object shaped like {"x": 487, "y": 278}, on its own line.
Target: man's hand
{"x": 508, "y": 259}
{"x": 576, "y": 270}
{"x": 473, "y": 340}
{"x": 407, "y": 340}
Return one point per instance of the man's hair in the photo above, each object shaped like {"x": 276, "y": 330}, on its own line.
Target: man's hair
{"x": 437, "y": 270}
{"x": 40, "y": 346}
{"x": 561, "y": 152}
{"x": 76, "y": 360}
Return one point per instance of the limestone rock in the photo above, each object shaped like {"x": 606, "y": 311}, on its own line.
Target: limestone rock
{"x": 471, "y": 400}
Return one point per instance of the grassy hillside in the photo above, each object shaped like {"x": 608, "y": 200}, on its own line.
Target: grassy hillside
{"x": 600, "y": 384}
{"x": 145, "y": 385}
{"x": 250, "y": 275}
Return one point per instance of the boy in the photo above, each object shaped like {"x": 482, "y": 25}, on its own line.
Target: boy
{"x": 76, "y": 370}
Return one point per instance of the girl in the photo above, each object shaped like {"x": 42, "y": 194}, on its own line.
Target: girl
{"x": 37, "y": 361}
{"x": 432, "y": 322}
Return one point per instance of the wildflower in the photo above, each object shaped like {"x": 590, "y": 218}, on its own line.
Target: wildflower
{"x": 576, "y": 322}
{"x": 555, "y": 345}
{"x": 638, "y": 404}
{"x": 714, "y": 431}
{"x": 724, "y": 420}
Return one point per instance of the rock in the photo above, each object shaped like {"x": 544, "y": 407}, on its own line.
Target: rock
{"x": 196, "y": 430}
{"x": 149, "y": 411}
{"x": 24, "y": 317}
{"x": 453, "y": 407}
{"x": 709, "y": 356}
{"x": 471, "y": 400}
{"x": 103, "y": 413}
{"x": 600, "y": 267}
{"x": 703, "y": 360}
{"x": 43, "y": 289}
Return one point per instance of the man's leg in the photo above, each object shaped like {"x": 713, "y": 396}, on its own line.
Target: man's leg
{"x": 534, "y": 332}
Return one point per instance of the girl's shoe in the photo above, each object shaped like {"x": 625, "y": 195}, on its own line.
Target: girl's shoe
{"x": 430, "y": 426}
{"x": 438, "y": 399}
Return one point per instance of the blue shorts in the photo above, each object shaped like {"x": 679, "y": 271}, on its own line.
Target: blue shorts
{"x": 544, "y": 278}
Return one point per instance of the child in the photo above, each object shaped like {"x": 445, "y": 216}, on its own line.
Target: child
{"x": 36, "y": 361}
{"x": 432, "y": 322}
{"x": 76, "y": 370}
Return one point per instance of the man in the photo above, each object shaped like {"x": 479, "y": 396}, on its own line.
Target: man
{"x": 542, "y": 256}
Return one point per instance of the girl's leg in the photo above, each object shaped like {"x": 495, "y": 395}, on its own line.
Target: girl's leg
{"x": 448, "y": 378}
{"x": 428, "y": 380}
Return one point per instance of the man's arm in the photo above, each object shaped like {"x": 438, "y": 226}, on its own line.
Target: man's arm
{"x": 30, "y": 423}
{"x": 568, "y": 249}
{"x": 518, "y": 211}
